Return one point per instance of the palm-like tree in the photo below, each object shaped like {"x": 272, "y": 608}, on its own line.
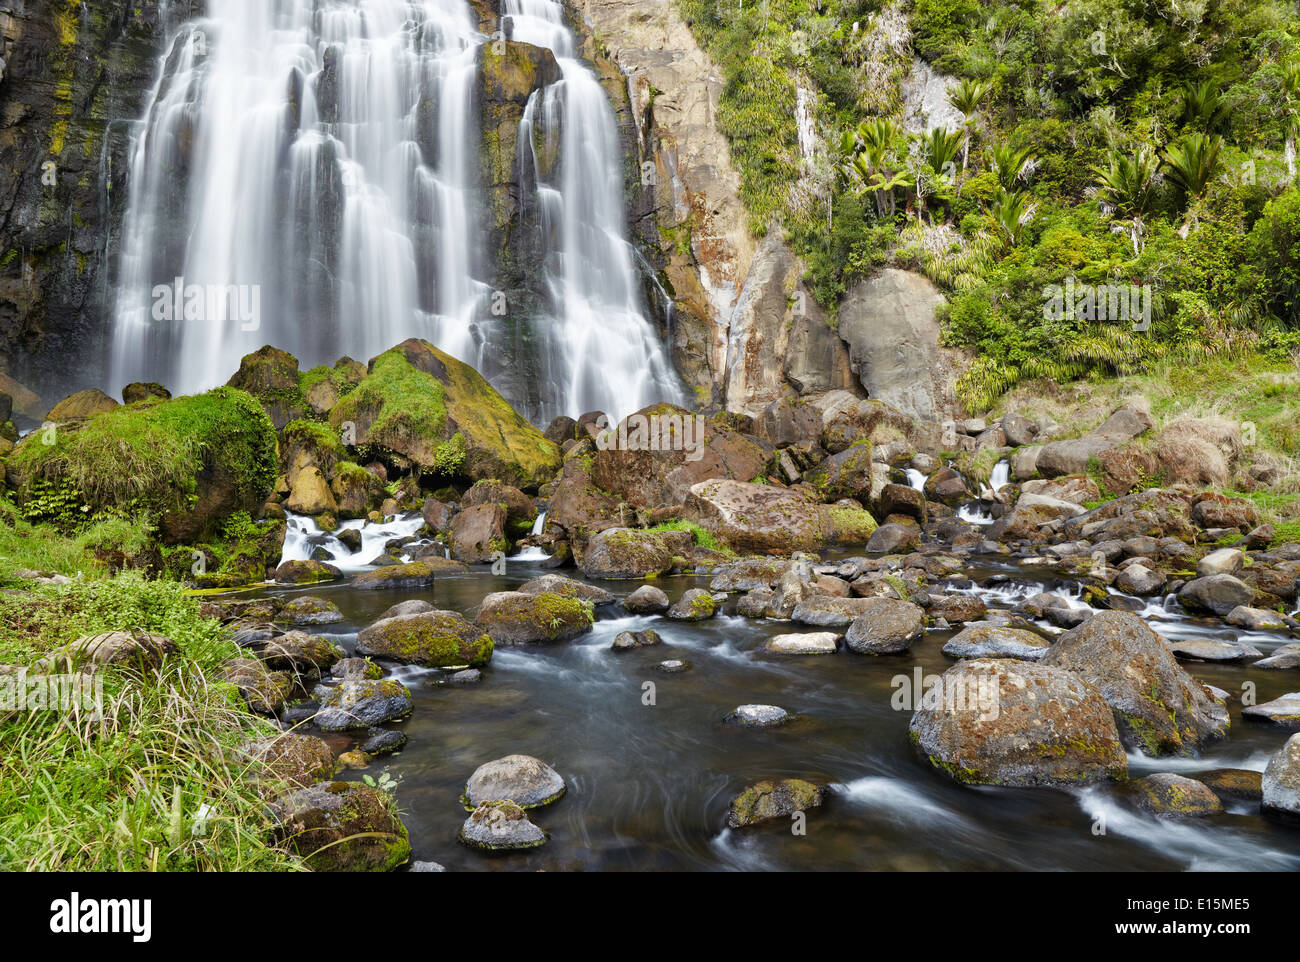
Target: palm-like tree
{"x": 873, "y": 162}
{"x": 1203, "y": 105}
{"x": 1291, "y": 85}
{"x": 1012, "y": 212}
{"x": 965, "y": 97}
{"x": 1127, "y": 186}
{"x": 1192, "y": 161}
{"x": 940, "y": 148}
{"x": 1012, "y": 164}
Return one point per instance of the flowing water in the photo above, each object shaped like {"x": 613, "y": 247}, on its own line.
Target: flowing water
{"x": 649, "y": 785}
{"x": 307, "y": 175}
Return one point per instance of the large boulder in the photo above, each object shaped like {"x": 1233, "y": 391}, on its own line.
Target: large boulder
{"x": 886, "y": 627}
{"x": 569, "y": 588}
{"x": 271, "y": 375}
{"x": 413, "y": 574}
{"x": 1157, "y": 704}
{"x": 1174, "y": 796}
{"x": 761, "y": 518}
{"x": 1219, "y": 593}
{"x": 996, "y": 641}
{"x": 82, "y": 405}
{"x": 655, "y": 456}
{"x": 1007, "y": 722}
{"x": 363, "y": 703}
{"x": 478, "y": 533}
{"x": 422, "y": 406}
{"x": 844, "y": 475}
{"x": 518, "y": 618}
{"x": 890, "y": 326}
{"x": 435, "y": 639}
{"x": 621, "y": 553}
{"x": 518, "y": 506}
{"x": 192, "y": 461}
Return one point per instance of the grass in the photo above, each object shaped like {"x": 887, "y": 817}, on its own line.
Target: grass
{"x": 703, "y": 537}
{"x": 27, "y": 546}
{"x": 157, "y": 782}
{"x": 147, "y": 457}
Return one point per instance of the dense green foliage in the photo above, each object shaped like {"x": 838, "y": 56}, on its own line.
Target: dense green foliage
{"x": 1113, "y": 144}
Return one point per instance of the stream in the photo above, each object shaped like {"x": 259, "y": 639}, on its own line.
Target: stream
{"x": 649, "y": 784}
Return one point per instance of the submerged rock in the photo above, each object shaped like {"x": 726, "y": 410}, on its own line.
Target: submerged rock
{"x": 522, "y": 779}
{"x": 767, "y": 800}
{"x": 1007, "y": 722}
{"x": 758, "y": 716}
{"x": 627, "y": 640}
{"x": 1173, "y": 796}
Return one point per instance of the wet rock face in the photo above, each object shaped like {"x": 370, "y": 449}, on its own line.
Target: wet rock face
{"x": 1159, "y": 707}
{"x": 70, "y": 77}
{"x": 1006, "y": 722}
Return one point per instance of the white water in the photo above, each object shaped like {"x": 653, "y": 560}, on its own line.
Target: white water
{"x": 322, "y": 157}
{"x": 534, "y": 553}
{"x": 303, "y": 536}
{"x": 976, "y": 513}
{"x": 916, "y": 479}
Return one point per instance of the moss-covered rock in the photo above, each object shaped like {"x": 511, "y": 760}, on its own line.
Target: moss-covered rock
{"x": 499, "y": 826}
{"x": 264, "y": 691}
{"x": 362, "y": 703}
{"x": 767, "y": 800}
{"x": 271, "y": 376}
{"x": 425, "y": 407}
{"x": 517, "y": 618}
{"x": 1173, "y": 796}
{"x": 289, "y": 761}
{"x": 82, "y": 405}
{"x": 301, "y": 653}
{"x": 620, "y": 553}
{"x": 343, "y": 827}
{"x": 415, "y": 574}
{"x": 192, "y": 461}
{"x": 309, "y": 610}
{"x": 435, "y": 639}
{"x": 306, "y": 573}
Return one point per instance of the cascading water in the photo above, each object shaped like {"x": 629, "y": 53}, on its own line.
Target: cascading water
{"x": 307, "y": 175}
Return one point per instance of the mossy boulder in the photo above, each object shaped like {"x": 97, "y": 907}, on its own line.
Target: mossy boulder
{"x": 356, "y": 490}
{"x": 301, "y": 653}
{"x": 82, "y": 405}
{"x": 519, "y": 508}
{"x": 414, "y": 574}
{"x": 306, "y": 573}
{"x": 192, "y": 461}
{"x": 343, "y": 827}
{"x": 569, "y": 588}
{"x": 435, "y": 639}
{"x": 265, "y": 691}
{"x": 499, "y": 826}
{"x": 621, "y": 553}
{"x": 768, "y": 800}
{"x": 1160, "y": 708}
{"x": 694, "y": 605}
{"x": 844, "y": 475}
{"x": 423, "y": 407}
{"x": 1005, "y": 722}
{"x": 760, "y": 518}
{"x": 271, "y": 376}
{"x": 517, "y": 618}
{"x": 362, "y": 703}
{"x": 478, "y": 533}
{"x": 1174, "y": 796}
{"x": 289, "y": 761}
{"x": 309, "y": 610}
{"x": 139, "y": 391}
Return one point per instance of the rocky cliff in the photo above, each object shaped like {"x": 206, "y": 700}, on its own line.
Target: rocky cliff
{"x": 75, "y": 75}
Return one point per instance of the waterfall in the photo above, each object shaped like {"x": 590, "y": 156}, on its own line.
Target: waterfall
{"x": 307, "y": 175}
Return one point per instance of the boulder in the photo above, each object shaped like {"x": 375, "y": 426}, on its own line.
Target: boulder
{"x": 825, "y": 611}
{"x": 628, "y": 640}
{"x": 1287, "y": 656}
{"x": 1225, "y": 561}
{"x": 80, "y": 406}
{"x": 768, "y": 800}
{"x": 289, "y": 761}
{"x": 342, "y": 827}
{"x": 1219, "y": 594}
{"x": 1284, "y": 710}
{"x": 518, "y": 506}
{"x": 1281, "y": 783}
{"x": 301, "y": 653}
{"x": 306, "y": 573}
{"x": 1173, "y": 796}
{"x": 1156, "y": 703}
{"x": 886, "y": 627}
{"x": 760, "y": 518}
{"x": 758, "y": 716}
{"x": 646, "y": 600}
{"x": 946, "y": 486}
{"x": 309, "y": 610}
{"x": 694, "y": 605}
{"x": 844, "y": 475}
{"x": 996, "y": 641}
{"x": 264, "y": 691}
{"x": 568, "y": 588}
{"x": 434, "y": 639}
{"x": 271, "y": 376}
{"x": 363, "y": 703}
{"x": 414, "y": 574}
{"x": 748, "y": 574}
{"x": 1007, "y": 722}
{"x": 136, "y": 650}
{"x": 500, "y": 826}
{"x": 814, "y": 643}
{"x": 522, "y": 779}
{"x": 478, "y": 533}
{"x": 1070, "y": 457}
{"x": 437, "y": 515}
{"x": 902, "y": 499}
{"x": 893, "y": 538}
{"x": 1211, "y": 649}
{"x": 519, "y": 618}
{"x": 623, "y": 553}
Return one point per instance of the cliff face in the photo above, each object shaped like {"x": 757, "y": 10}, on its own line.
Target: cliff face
{"x": 75, "y": 75}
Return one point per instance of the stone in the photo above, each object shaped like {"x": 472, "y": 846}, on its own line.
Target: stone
{"x": 628, "y": 640}
{"x": 500, "y": 826}
{"x": 434, "y": 639}
{"x": 519, "y": 507}
{"x": 415, "y": 606}
{"x": 886, "y": 627}
{"x": 301, "y": 653}
{"x": 342, "y": 827}
{"x": 413, "y": 574}
{"x": 383, "y": 741}
{"x": 957, "y": 608}
{"x": 694, "y": 605}
{"x": 311, "y": 493}
{"x": 1219, "y": 594}
{"x": 1173, "y": 796}
{"x": 1284, "y": 711}
{"x": 824, "y": 611}
{"x": 996, "y": 641}
{"x": 361, "y": 703}
{"x": 518, "y": 618}
{"x": 436, "y": 514}
{"x": 80, "y": 406}
{"x": 309, "y": 610}
{"x": 264, "y": 691}
{"x": 135, "y": 650}
{"x": 306, "y": 573}
{"x": 1237, "y": 784}
{"x": 1281, "y": 783}
{"x": 646, "y": 600}
{"x": 769, "y": 800}
{"x": 1138, "y": 579}
{"x": 1157, "y": 704}
{"x": 139, "y": 391}
{"x": 522, "y": 779}
{"x": 624, "y": 553}
{"x": 902, "y": 499}
{"x": 1225, "y": 561}
{"x": 1284, "y": 657}
{"x": 893, "y": 538}
{"x": 758, "y": 716}
{"x": 568, "y": 588}
{"x": 1017, "y": 723}
{"x": 289, "y": 761}
{"x": 1211, "y": 649}
{"x": 478, "y": 534}
{"x": 814, "y": 643}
